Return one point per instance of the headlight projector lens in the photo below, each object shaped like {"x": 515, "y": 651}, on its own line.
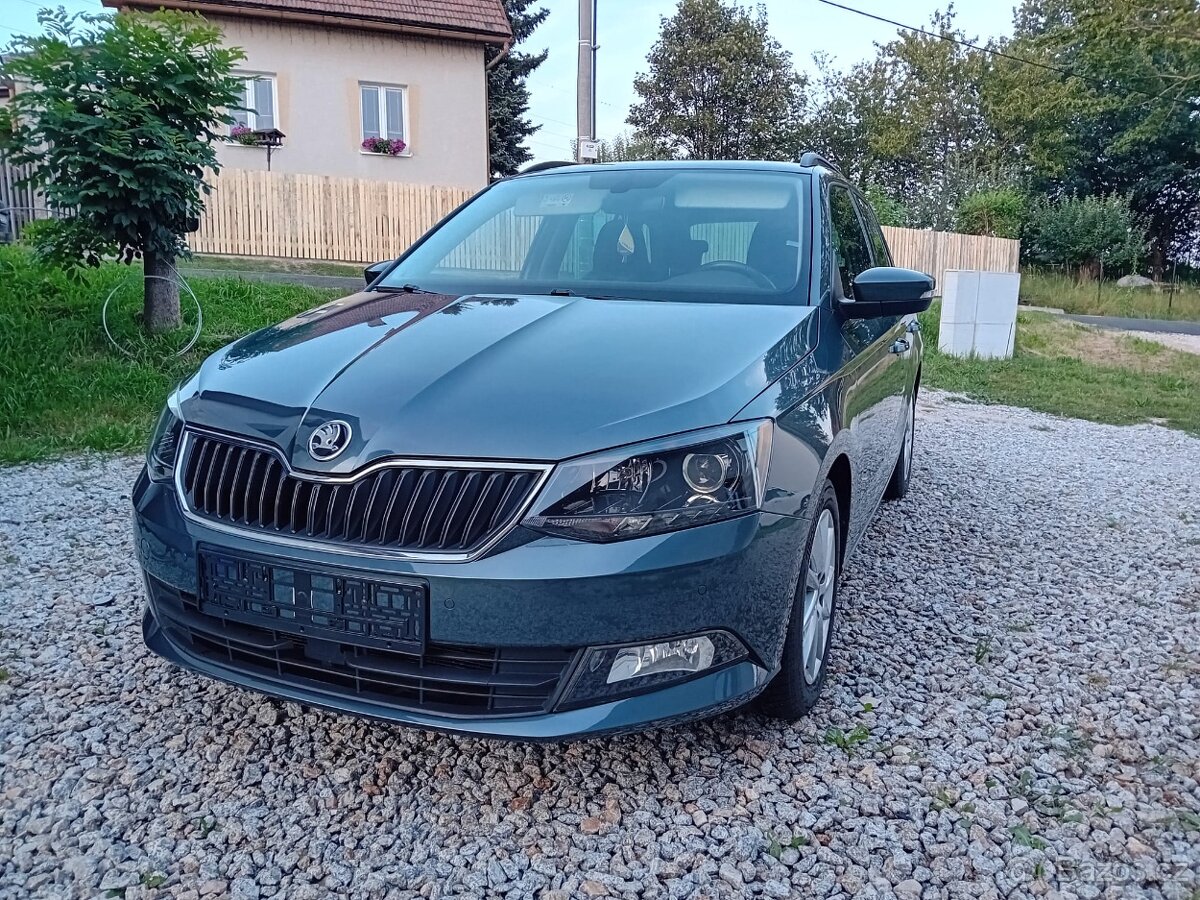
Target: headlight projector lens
{"x": 668, "y": 484}
{"x": 705, "y": 472}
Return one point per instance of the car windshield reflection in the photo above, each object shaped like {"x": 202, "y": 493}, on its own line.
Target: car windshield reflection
{"x": 650, "y": 234}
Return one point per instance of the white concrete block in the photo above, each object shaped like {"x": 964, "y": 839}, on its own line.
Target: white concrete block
{"x": 956, "y": 338}
{"x": 979, "y": 313}
{"x": 949, "y": 295}
{"x": 992, "y": 340}
{"x": 998, "y": 294}
{"x": 960, "y": 296}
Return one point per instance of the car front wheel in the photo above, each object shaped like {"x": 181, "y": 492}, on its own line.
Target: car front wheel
{"x": 796, "y": 687}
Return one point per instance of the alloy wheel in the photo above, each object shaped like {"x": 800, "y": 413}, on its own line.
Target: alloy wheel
{"x": 819, "y": 583}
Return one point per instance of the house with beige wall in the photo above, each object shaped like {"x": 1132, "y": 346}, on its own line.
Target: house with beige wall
{"x": 389, "y": 90}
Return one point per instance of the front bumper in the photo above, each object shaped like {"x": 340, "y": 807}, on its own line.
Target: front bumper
{"x": 540, "y": 592}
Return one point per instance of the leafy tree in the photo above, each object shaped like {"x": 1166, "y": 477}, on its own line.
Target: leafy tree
{"x": 838, "y": 117}
{"x": 1087, "y": 234}
{"x": 998, "y": 212}
{"x": 1122, "y": 114}
{"x": 508, "y": 93}
{"x": 719, "y": 86}
{"x": 910, "y": 121}
{"x": 116, "y": 117}
{"x": 888, "y": 210}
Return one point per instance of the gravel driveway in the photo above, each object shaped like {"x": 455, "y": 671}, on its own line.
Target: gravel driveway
{"x": 1014, "y": 708}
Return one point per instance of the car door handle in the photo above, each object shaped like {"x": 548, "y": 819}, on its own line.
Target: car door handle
{"x": 900, "y": 346}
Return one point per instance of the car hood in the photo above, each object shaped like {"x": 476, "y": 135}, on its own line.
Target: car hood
{"x": 493, "y": 377}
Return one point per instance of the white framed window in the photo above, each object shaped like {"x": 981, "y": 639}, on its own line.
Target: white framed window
{"x": 384, "y": 111}
{"x": 258, "y": 96}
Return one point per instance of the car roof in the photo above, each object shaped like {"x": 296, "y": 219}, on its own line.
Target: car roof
{"x": 753, "y": 165}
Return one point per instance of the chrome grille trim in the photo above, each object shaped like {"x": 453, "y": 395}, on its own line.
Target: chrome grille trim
{"x": 314, "y": 507}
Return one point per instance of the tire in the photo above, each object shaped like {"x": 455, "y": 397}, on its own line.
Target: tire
{"x": 902, "y": 474}
{"x": 797, "y": 685}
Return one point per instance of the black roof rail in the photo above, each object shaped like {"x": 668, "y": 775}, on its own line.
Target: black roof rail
{"x": 543, "y": 166}
{"x": 813, "y": 158}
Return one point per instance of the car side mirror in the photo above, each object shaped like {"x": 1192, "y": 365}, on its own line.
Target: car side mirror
{"x": 370, "y": 273}
{"x": 889, "y": 291}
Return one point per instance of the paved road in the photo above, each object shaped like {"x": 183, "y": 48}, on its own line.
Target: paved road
{"x": 1162, "y": 326}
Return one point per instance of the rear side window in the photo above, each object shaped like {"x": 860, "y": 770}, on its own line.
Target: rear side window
{"x": 851, "y": 249}
{"x": 879, "y": 247}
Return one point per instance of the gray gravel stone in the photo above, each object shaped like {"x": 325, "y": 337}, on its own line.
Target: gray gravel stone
{"x": 1020, "y": 638}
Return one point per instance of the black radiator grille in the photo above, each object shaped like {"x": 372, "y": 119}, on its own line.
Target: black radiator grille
{"x": 408, "y": 508}
{"x": 441, "y": 678}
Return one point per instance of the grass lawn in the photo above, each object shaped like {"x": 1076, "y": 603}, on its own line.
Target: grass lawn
{"x": 62, "y": 385}
{"x": 270, "y": 264}
{"x": 1040, "y": 288}
{"x": 64, "y": 388}
{"x": 1072, "y": 370}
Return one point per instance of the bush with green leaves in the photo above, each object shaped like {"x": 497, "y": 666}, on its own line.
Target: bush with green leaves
{"x": 888, "y": 210}
{"x": 1090, "y": 236}
{"x": 997, "y": 212}
{"x": 117, "y": 116}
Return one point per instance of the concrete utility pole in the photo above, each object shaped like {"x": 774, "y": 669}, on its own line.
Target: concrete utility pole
{"x": 585, "y": 84}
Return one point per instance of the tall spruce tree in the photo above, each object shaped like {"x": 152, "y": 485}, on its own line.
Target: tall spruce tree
{"x": 508, "y": 94}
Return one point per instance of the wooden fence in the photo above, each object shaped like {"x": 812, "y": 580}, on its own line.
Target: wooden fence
{"x": 936, "y": 251}
{"x": 361, "y": 221}
{"x": 20, "y": 203}
{"x": 318, "y": 216}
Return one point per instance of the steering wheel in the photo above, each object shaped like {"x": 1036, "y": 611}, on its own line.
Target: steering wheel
{"x": 732, "y": 265}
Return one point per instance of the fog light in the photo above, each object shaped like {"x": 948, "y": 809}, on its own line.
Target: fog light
{"x": 606, "y": 673}
{"x": 687, "y": 656}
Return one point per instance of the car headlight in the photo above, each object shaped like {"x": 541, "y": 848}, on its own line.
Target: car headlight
{"x": 663, "y": 485}
{"x": 164, "y": 445}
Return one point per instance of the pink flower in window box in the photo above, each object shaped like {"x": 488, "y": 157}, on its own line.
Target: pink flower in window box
{"x": 384, "y": 145}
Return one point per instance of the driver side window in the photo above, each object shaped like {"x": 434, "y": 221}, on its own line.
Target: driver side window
{"x": 851, "y": 250}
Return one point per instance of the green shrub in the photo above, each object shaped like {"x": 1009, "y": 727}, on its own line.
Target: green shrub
{"x": 1088, "y": 235}
{"x": 888, "y": 210}
{"x": 999, "y": 212}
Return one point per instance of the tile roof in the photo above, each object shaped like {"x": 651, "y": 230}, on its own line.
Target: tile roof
{"x": 471, "y": 19}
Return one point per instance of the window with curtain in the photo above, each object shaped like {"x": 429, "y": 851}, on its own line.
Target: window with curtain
{"x": 383, "y": 112}
{"x": 258, "y": 98}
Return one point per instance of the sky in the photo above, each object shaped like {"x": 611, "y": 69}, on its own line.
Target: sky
{"x": 627, "y": 29}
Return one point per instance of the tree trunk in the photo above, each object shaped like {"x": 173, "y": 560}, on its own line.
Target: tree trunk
{"x": 1158, "y": 263}
{"x": 1089, "y": 271}
{"x": 160, "y": 311}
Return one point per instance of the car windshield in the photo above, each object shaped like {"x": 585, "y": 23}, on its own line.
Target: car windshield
{"x": 718, "y": 235}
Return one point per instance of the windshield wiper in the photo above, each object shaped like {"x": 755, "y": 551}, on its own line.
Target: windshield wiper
{"x": 567, "y": 292}
{"x": 414, "y": 289}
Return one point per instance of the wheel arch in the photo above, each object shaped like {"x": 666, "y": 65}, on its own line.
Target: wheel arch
{"x": 841, "y": 477}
